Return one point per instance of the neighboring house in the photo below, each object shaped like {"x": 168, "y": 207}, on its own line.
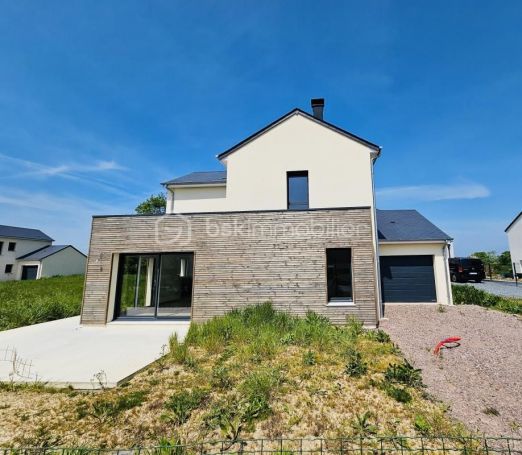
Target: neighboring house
{"x": 28, "y": 254}
{"x": 291, "y": 220}
{"x": 514, "y": 233}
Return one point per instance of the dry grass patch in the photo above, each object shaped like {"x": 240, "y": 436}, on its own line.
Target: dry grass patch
{"x": 252, "y": 373}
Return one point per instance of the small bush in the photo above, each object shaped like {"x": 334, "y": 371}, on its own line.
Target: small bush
{"x": 355, "y": 367}
{"x": 422, "y": 425}
{"x": 404, "y": 374}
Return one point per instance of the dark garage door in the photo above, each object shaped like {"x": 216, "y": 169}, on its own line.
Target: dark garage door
{"x": 29, "y": 272}
{"x": 407, "y": 279}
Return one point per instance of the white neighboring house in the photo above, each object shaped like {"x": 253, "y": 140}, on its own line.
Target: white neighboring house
{"x": 29, "y": 254}
{"x": 514, "y": 233}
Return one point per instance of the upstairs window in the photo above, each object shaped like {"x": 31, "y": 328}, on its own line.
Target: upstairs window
{"x": 11, "y": 246}
{"x": 297, "y": 187}
{"x": 9, "y": 268}
{"x": 339, "y": 274}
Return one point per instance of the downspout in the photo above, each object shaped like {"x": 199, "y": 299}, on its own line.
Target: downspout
{"x": 445, "y": 253}
{"x": 379, "y": 308}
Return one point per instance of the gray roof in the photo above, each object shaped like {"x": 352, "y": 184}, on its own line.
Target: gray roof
{"x": 44, "y": 252}
{"x": 204, "y": 177}
{"x": 406, "y": 225}
{"x": 23, "y": 233}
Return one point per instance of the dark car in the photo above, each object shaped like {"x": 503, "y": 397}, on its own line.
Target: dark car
{"x": 466, "y": 269}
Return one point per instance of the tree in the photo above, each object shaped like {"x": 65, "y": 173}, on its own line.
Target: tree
{"x": 154, "y": 205}
{"x": 489, "y": 258}
{"x": 504, "y": 263}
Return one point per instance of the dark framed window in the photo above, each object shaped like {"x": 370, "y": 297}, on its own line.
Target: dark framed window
{"x": 297, "y": 190}
{"x": 9, "y": 268}
{"x": 339, "y": 274}
{"x": 11, "y": 246}
{"x": 1, "y": 247}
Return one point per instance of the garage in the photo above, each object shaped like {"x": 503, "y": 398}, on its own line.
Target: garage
{"x": 408, "y": 278}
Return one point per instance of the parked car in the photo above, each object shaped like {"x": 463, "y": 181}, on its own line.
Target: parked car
{"x": 466, "y": 269}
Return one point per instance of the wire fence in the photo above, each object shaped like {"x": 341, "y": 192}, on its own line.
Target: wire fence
{"x": 317, "y": 446}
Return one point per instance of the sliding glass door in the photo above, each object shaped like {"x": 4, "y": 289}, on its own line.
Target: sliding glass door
{"x": 154, "y": 285}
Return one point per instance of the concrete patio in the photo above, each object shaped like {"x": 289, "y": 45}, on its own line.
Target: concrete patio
{"x": 63, "y": 353}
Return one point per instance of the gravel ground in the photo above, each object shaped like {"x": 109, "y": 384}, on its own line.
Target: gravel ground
{"x": 498, "y": 287}
{"x": 484, "y": 372}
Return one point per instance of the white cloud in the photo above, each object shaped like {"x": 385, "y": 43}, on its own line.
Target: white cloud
{"x": 434, "y": 192}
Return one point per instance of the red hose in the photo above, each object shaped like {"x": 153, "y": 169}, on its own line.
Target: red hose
{"x": 444, "y": 342}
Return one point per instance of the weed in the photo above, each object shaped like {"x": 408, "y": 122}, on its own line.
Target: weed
{"x": 221, "y": 377}
{"x": 397, "y": 393}
{"x": 105, "y": 409}
{"x": 362, "y": 426}
{"x": 404, "y": 374}
{"x": 354, "y": 327}
{"x": 355, "y": 367}
{"x": 378, "y": 335}
{"x": 181, "y": 404}
{"x": 422, "y": 425}
{"x": 441, "y": 308}
{"x": 309, "y": 358}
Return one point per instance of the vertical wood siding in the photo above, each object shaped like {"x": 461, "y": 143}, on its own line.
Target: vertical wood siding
{"x": 243, "y": 258}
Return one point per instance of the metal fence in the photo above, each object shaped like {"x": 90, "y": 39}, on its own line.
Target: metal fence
{"x": 339, "y": 446}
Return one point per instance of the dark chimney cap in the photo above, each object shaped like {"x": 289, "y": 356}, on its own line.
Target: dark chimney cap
{"x": 318, "y": 107}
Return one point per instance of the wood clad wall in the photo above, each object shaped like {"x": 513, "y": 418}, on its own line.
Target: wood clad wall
{"x": 243, "y": 258}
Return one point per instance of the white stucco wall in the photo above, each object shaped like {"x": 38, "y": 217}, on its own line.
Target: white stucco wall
{"x": 440, "y": 269}
{"x": 23, "y": 246}
{"x": 198, "y": 199}
{"x": 339, "y": 172}
{"x": 515, "y": 244}
{"x": 66, "y": 262}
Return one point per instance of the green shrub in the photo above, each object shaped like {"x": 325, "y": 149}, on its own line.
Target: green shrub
{"x": 181, "y": 404}
{"x": 468, "y": 295}
{"x": 355, "y": 367}
{"x": 422, "y": 425}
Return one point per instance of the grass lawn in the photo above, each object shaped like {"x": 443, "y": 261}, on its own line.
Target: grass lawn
{"x": 468, "y": 295}
{"x": 30, "y": 302}
{"x": 254, "y": 373}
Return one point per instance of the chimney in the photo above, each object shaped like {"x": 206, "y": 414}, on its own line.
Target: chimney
{"x": 318, "y": 107}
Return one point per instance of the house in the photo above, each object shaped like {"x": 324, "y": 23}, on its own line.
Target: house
{"x": 290, "y": 219}
{"x": 28, "y": 254}
{"x": 514, "y": 233}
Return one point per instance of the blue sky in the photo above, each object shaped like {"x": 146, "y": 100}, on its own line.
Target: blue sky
{"x": 101, "y": 101}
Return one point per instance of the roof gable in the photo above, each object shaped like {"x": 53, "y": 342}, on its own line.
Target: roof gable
{"x": 407, "y": 226}
{"x": 23, "y": 233}
{"x": 285, "y": 117}
{"x": 513, "y": 222}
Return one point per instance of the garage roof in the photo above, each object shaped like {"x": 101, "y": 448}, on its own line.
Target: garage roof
{"x": 44, "y": 252}
{"x": 407, "y": 226}
{"x": 200, "y": 178}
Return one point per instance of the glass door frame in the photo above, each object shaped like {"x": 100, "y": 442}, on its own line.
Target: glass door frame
{"x": 155, "y": 288}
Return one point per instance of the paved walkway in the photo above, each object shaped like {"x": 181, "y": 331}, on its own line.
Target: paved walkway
{"x": 62, "y": 353}
{"x": 503, "y": 288}
{"x": 481, "y": 379}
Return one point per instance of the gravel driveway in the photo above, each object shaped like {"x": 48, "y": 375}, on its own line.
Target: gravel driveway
{"x": 481, "y": 376}
{"x": 503, "y": 288}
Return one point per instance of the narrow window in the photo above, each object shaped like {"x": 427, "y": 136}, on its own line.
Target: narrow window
{"x": 339, "y": 274}
{"x": 9, "y": 268}
{"x": 11, "y": 246}
{"x": 1, "y": 247}
{"x": 297, "y": 188}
